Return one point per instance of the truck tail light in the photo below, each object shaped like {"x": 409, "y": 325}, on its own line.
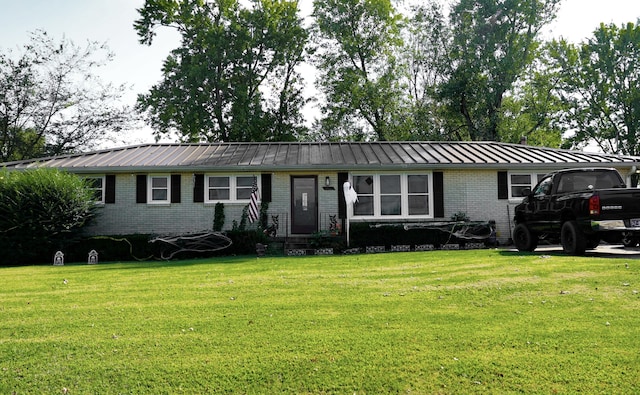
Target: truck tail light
{"x": 594, "y": 205}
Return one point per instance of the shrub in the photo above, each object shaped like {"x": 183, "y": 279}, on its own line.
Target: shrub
{"x": 41, "y": 211}
{"x": 218, "y": 217}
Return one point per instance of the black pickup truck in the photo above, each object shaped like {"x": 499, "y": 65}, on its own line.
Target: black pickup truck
{"x": 579, "y": 208}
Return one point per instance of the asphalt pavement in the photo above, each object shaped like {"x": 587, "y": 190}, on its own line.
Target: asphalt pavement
{"x": 603, "y": 251}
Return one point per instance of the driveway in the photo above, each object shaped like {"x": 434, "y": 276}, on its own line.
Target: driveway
{"x": 603, "y": 251}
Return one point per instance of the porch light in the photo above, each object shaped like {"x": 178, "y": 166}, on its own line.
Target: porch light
{"x": 327, "y": 183}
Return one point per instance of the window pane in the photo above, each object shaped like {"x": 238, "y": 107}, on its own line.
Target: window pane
{"x": 243, "y": 193}
{"x": 418, "y": 184}
{"x": 521, "y": 179}
{"x": 518, "y": 191}
{"x": 159, "y": 182}
{"x": 218, "y": 194}
{"x": 159, "y": 194}
{"x": 95, "y": 182}
{"x": 363, "y": 184}
{"x": 389, "y": 184}
{"x": 364, "y": 206}
{"x": 218, "y": 182}
{"x": 244, "y": 181}
{"x": 390, "y": 205}
{"x": 418, "y": 205}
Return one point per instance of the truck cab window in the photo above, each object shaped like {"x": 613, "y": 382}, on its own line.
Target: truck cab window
{"x": 543, "y": 188}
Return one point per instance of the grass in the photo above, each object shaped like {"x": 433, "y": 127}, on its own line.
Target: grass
{"x": 438, "y": 322}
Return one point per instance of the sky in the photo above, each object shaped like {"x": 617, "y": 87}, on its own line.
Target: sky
{"x": 139, "y": 66}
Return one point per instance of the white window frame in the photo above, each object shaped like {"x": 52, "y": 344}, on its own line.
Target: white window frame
{"x": 534, "y": 177}
{"x": 150, "y": 189}
{"x": 102, "y": 189}
{"x": 233, "y": 188}
{"x": 404, "y": 196}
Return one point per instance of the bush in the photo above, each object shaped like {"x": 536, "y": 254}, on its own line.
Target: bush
{"x": 41, "y": 211}
{"x": 365, "y": 234}
{"x": 244, "y": 241}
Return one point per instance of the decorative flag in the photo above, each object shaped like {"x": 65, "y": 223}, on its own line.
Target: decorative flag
{"x": 253, "y": 203}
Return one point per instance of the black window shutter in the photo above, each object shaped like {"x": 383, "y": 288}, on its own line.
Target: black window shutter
{"x": 110, "y": 188}
{"x": 175, "y": 188}
{"x": 438, "y": 194}
{"x": 141, "y": 188}
{"x": 342, "y": 205}
{"x": 503, "y": 187}
{"x": 198, "y": 188}
{"x": 265, "y": 187}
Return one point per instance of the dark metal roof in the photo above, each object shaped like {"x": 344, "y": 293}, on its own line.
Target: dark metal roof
{"x": 336, "y": 156}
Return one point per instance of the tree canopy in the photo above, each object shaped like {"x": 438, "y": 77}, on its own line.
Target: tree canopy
{"x": 51, "y": 101}
{"x": 493, "y": 44}
{"x": 355, "y": 43}
{"x": 234, "y": 77}
{"x": 599, "y": 87}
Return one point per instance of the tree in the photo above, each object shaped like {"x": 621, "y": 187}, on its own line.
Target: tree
{"x": 234, "y": 77}
{"x": 600, "y": 89}
{"x": 51, "y": 102}
{"x": 40, "y": 211}
{"x": 426, "y": 63}
{"x": 530, "y": 109}
{"x": 356, "y": 41}
{"x": 493, "y": 43}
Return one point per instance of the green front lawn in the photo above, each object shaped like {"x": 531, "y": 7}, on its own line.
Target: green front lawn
{"x": 483, "y": 321}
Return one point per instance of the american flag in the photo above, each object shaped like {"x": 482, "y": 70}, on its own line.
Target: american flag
{"x": 255, "y": 200}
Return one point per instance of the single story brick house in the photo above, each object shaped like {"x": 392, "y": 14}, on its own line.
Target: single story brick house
{"x": 173, "y": 188}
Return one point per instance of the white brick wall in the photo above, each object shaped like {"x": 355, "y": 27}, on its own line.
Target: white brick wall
{"x": 474, "y": 192}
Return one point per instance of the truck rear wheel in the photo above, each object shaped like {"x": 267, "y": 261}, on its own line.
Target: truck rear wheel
{"x": 572, "y": 238}
{"x": 524, "y": 239}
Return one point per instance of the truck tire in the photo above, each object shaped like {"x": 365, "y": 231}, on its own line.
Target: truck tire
{"x": 572, "y": 238}
{"x": 524, "y": 239}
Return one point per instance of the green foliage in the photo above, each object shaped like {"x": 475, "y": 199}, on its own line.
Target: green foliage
{"x": 51, "y": 101}
{"x": 451, "y": 322}
{"x": 231, "y": 52}
{"x": 218, "y": 217}
{"x": 244, "y": 241}
{"x": 363, "y": 234}
{"x": 599, "y": 85}
{"x": 493, "y": 43}
{"x": 112, "y": 248}
{"x": 41, "y": 211}
{"x": 355, "y": 45}
{"x": 460, "y": 216}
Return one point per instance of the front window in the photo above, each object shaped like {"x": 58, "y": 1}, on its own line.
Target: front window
{"x": 392, "y": 195}
{"x": 96, "y": 184}
{"x": 159, "y": 189}
{"x": 228, "y": 188}
{"x": 364, "y": 187}
{"x": 521, "y": 183}
{"x": 418, "y": 194}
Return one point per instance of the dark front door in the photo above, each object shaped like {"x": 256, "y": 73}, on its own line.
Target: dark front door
{"x": 304, "y": 204}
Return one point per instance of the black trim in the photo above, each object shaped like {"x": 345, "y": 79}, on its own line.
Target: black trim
{"x": 265, "y": 180}
{"x": 503, "y": 185}
{"x": 198, "y": 188}
{"x": 175, "y": 188}
{"x": 141, "y": 188}
{"x": 342, "y": 205}
{"x": 110, "y": 188}
{"x": 438, "y": 194}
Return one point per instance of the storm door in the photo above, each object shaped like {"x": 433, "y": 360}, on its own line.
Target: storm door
{"x": 304, "y": 204}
